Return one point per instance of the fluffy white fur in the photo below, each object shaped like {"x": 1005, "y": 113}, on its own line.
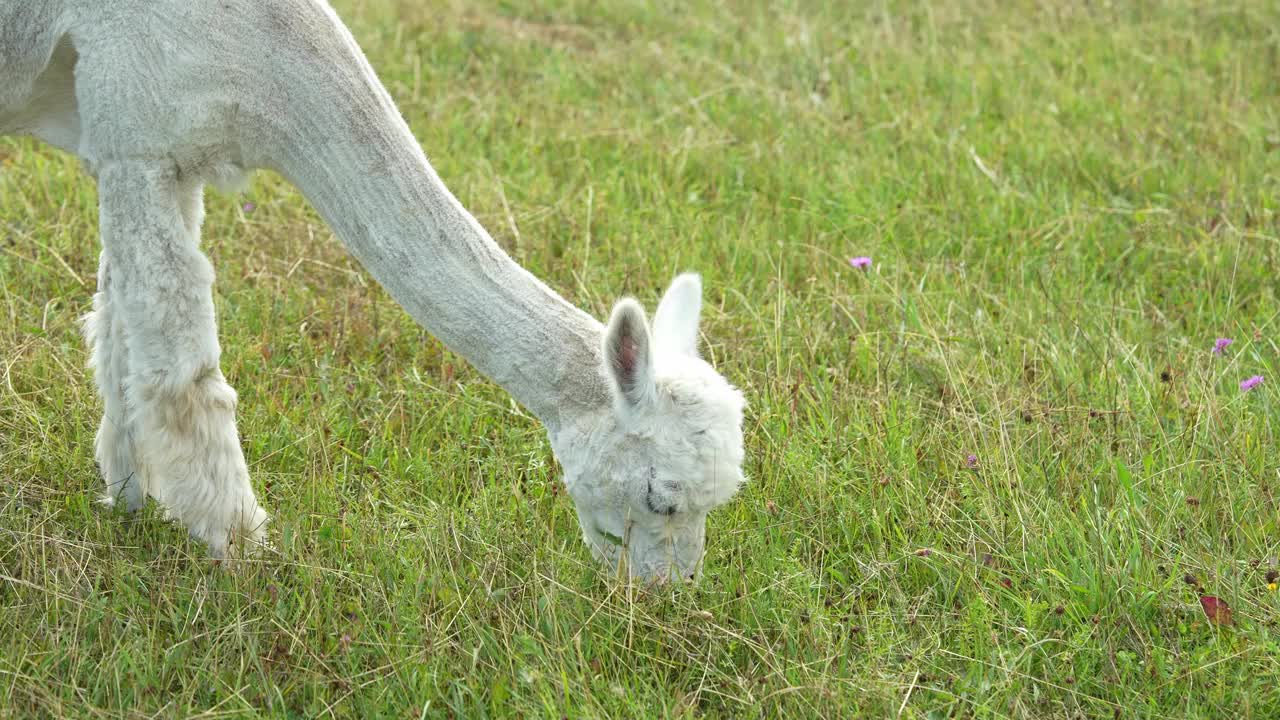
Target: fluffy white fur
{"x": 160, "y": 97}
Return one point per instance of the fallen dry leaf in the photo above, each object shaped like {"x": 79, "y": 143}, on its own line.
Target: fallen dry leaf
{"x": 1217, "y": 610}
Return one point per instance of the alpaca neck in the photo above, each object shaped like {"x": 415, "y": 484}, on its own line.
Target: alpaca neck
{"x": 365, "y": 174}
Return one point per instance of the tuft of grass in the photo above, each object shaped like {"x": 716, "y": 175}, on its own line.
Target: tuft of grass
{"x": 1065, "y": 204}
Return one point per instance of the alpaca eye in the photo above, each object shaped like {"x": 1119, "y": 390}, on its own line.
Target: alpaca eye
{"x": 669, "y": 510}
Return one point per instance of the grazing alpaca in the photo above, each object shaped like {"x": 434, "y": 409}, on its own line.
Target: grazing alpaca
{"x": 159, "y": 97}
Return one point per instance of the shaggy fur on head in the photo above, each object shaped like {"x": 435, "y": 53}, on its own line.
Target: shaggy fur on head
{"x": 161, "y": 97}
{"x": 645, "y": 474}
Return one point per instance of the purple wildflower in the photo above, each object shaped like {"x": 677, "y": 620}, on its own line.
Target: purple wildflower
{"x": 860, "y": 262}
{"x": 1251, "y": 383}
{"x": 1221, "y": 344}
{"x": 249, "y": 207}
{"x": 971, "y": 461}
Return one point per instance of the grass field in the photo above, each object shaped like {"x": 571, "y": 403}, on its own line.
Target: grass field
{"x": 1065, "y": 203}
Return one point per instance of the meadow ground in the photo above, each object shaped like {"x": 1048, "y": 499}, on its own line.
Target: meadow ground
{"x": 1065, "y": 203}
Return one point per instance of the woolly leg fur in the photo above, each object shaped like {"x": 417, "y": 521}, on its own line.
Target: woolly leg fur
{"x": 113, "y": 449}
{"x": 156, "y": 354}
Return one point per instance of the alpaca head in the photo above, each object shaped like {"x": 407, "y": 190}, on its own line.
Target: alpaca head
{"x": 645, "y": 472}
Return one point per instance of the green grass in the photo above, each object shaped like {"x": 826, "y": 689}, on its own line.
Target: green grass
{"x": 1066, "y": 203}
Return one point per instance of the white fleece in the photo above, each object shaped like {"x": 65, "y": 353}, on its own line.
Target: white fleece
{"x": 160, "y": 97}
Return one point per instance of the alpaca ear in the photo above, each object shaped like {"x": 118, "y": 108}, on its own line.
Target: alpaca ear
{"x": 628, "y": 358}
{"x": 675, "y": 326}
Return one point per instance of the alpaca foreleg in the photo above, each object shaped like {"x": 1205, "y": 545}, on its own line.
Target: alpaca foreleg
{"x": 181, "y": 409}
{"x": 113, "y": 448}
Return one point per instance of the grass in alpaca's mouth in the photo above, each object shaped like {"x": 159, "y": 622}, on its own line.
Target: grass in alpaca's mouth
{"x": 610, "y": 537}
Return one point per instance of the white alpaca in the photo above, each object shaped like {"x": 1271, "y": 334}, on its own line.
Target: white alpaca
{"x": 160, "y": 97}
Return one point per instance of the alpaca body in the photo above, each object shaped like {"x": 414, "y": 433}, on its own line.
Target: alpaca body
{"x": 160, "y": 97}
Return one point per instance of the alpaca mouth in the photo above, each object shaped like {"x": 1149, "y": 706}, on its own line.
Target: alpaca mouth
{"x": 613, "y": 539}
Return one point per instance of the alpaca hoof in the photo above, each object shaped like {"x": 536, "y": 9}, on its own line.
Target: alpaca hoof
{"x": 126, "y": 499}
{"x": 245, "y": 539}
